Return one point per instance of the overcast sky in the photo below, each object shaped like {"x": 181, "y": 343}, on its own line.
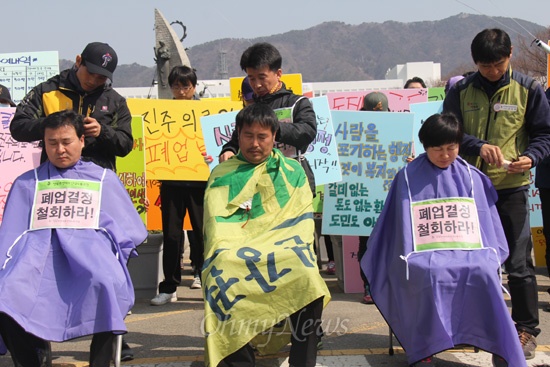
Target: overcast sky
{"x": 128, "y": 25}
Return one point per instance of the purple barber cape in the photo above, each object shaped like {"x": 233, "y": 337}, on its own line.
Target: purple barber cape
{"x": 435, "y": 299}
{"x": 63, "y": 283}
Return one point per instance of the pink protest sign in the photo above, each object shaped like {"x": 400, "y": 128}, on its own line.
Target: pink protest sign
{"x": 449, "y": 223}
{"x": 399, "y": 100}
{"x": 352, "y": 272}
{"x": 66, "y": 204}
{"x": 15, "y": 157}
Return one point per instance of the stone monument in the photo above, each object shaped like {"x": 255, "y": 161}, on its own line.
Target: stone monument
{"x": 169, "y": 52}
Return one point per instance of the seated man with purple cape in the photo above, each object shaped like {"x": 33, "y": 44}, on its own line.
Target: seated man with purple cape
{"x": 434, "y": 256}
{"x": 69, "y": 228}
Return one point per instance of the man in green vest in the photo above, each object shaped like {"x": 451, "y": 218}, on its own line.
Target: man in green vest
{"x": 506, "y": 120}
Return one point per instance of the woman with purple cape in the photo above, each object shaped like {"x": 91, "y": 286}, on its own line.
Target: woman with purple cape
{"x": 434, "y": 256}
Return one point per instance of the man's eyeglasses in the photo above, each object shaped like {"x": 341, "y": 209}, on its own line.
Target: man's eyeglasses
{"x": 177, "y": 88}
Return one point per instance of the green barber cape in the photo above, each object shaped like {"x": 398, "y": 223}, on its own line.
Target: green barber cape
{"x": 260, "y": 266}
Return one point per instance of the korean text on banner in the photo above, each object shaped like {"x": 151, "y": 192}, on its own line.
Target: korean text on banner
{"x": 322, "y": 153}
{"x": 22, "y": 71}
{"x": 16, "y": 157}
{"x": 173, "y": 137}
{"x": 399, "y": 100}
{"x": 372, "y": 146}
{"x": 131, "y": 169}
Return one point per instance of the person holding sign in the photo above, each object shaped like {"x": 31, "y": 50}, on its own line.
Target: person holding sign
{"x": 506, "y": 119}
{"x": 69, "y": 228}
{"x": 435, "y": 253}
{"x": 84, "y": 89}
{"x": 260, "y": 266}
{"x": 177, "y": 197}
{"x": 377, "y": 102}
{"x": 262, "y": 63}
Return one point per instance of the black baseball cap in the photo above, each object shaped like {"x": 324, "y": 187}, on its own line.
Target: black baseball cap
{"x": 5, "y": 95}
{"x": 100, "y": 58}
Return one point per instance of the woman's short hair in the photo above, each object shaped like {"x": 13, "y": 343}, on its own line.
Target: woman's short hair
{"x": 440, "y": 129}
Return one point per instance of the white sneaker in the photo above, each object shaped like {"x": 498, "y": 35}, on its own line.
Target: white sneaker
{"x": 196, "y": 283}
{"x": 164, "y": 298}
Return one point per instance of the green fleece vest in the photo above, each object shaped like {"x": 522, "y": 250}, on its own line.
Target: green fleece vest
{"x": 501, "y": 122}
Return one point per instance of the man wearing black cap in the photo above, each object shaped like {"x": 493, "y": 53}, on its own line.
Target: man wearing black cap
{"x": 85, "y": 89}
{"x": 5, "y": 97}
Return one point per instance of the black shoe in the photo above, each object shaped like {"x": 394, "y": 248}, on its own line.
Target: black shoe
{"x": 126, "y": 354}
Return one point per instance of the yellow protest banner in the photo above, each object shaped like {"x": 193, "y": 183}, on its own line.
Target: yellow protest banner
{"x": 173, "y": 137}
{"x": 292, "y": 82}
{"x": 131, "y": 169}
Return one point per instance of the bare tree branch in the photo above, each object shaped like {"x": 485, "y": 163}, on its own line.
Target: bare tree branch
{"x": 530, "y": 59}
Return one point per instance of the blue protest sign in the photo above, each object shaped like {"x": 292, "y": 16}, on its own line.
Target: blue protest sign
{"x": 372, "y": 147}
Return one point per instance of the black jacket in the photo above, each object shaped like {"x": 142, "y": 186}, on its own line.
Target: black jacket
{"x": 542, "y": 175}
{"x": 63, "y": 91}
{"x": 299, "y": 134}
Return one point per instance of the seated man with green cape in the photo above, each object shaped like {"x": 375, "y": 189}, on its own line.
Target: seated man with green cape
{"x": 260, "y": 266}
